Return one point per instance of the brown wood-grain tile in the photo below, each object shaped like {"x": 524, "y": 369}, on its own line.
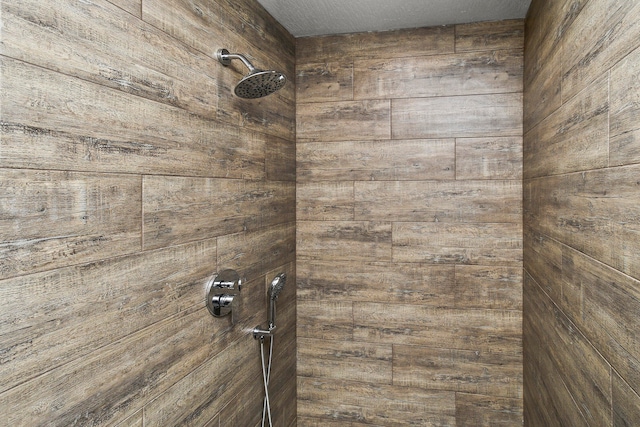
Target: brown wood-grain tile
{"x": 344, "y": 240}
{"x": 465, "y": 201}
{"x": 491, "y": 372}
{"x": 397, "y": 44}
{"x": 474, "y": 410}
{"x": 450, "y": 243}
{"x": 574, "y": 138}
{"x": 359, "y": 120}
{"x": 457, "y": 116}
{"x": 489, "y": 72}
{"x": 420, "y": 159}
{"x": 397, "y": 283}
{"x": 325, "y": 319}
{"x": 377, "y": 404}
{"x": 462, "y": 329}
{"x": 345, "y": 360}
{"x": 626, "y": 404}
{"x": 324, "y": 201}
{"x": 624, "y": 95}
{"x": 507, "y": 34}
{"x": 51, "y": 219}
{"x": 489, "y": 158}
{"x": 127, "y": 294}
{"x": 324, "y": 81}
{"x": 479, "y": 286}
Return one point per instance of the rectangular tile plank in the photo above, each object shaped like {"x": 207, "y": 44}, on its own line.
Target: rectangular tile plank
{"x": 442, "y": 243}
{"x": 457, "y": 116}
{"x": 343, "y": 240}
{"x": 324, "y": 81}
{"x": 488, "y": 287}
{"x": 489, "y": 158}
{"x": 492, "y": 373}
{"x": 439, "y": 201}
{"x": 50, "y": 219}
{"x": 490, "y": 72}
{"x": 325, "y": 319}
{"x": 624, "y": 129}
{"x": 359, "y": 120}
{"x": 385, "y": 160}
{"x": 507, "y": 34}
{"x": 324, "y": 201}
{"x": 474, "y": 410}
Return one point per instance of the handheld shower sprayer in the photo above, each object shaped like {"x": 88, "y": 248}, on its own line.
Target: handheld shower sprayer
{"x": 257, "y": 83}
{"x": 274, "y": 290}
{"x": 277, "y": 284}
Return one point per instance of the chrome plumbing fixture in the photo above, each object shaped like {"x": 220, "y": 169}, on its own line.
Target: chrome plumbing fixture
{"x": 257, "y": 83}
{"x": 222, "y": 290}
{"x": 277, "y": 284}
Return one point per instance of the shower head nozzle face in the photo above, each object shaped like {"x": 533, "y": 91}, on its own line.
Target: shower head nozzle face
{"x": 259, "y": 84}
{"x": 276, "y": 286}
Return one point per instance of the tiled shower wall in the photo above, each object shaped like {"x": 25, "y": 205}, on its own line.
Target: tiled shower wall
{"x": 409, "y": 227}
{"x": 129, "y": 173}
{"x": 582, "y": 213}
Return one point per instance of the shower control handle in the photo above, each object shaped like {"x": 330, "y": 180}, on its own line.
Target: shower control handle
{"x": 222, "y": 292}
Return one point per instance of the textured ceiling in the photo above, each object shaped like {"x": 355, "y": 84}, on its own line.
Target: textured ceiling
{"x": 318, "y": 17}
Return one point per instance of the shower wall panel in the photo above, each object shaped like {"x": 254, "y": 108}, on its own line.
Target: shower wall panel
{"x": 409, "y": 227}
{"x": 129, "y": 174}
{"x": 581, "y": 213}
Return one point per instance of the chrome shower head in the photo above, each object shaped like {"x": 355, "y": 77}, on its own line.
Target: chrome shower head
{"x": 276, "y": 286}
{"x": 257, "y": 83}
{"x": 274, "y": 290}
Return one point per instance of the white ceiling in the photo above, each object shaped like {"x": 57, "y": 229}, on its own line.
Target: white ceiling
{"x": 319, "y": 17}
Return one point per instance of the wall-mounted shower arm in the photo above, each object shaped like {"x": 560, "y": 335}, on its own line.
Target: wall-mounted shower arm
{"x": 224, "y": 57}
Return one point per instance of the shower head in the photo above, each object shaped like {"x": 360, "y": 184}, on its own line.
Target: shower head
{"x": 274, "y": 290}
{"x": 257, "y": 83}
{"x": 276, "y": 286}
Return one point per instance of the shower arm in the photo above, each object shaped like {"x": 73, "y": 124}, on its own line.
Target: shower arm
{"x": 224, "y": 57}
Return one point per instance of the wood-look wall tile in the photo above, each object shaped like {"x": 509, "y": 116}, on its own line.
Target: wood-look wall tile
{"x": 464, "y": 329}
{"x": 214, "y": 422}
{"x": 345, "y": 360}
{"x": 605, "y": 308}
{"x": 127, "y": 293}
{"x": 133, "y": 421}
{"x": 324, "y": 81}
{"x": 179, "y": 209}
{"x": 489, "y": 158}
{"x": 397, "y": 44}
{"x": 442, "y": 243}
{"x": 51, "y": 219}
{"x": 547, "y": 402}
{"x": 134, "y": 7}
{"x": 496, "y": 71}
{"x": 103, "y": 44}
{"x": 325, "y": 320}
{"x": 457, "y": 116}
{"x": 626, "y": 404}
{"x": 473, "y": 410}
{"x": 543, "y": 261}
{"x": 581, "y": 368}
{"x": 542, "y": 95}
{"x": 194, "y": 400}
{"x": 624, "y": 129}
{"x": 78, "y": 125}
{"x": 574, "y": 138}
{"x": 439, "y": 201}
{"x": 253, "y": 252}
{"x": 603, "y": 33}
{"x": 280, "y": 159}
{"x": 111, "y": 383}
{"x": 359, "y": 120}
{"x": 240, "y": 26}
{"x": 324, "y": 201}
{"x": 243, "y": 409}
{"x": 595, "y": 212}
{"x": 507, "y": 34}
{"x": 488, "y": 287}
{"x": 397, "y": 283}
{"x": 344, "y": 240}
{"x": 367, "y": 403}
{"x": 321, "y": 422}
{"x": 493, "y": 373}
{"x": 416, "y": 159}
{"x": 285, "y": 407}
